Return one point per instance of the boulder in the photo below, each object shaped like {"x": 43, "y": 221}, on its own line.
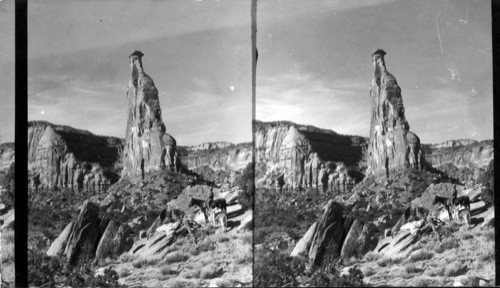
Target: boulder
{"x": 466, "y": 281}
{"x": 327, "y": 239}
{"x": 8, "y": 220}
{"x": 359, "y": 240}
{"x": 57, "y": 247}
{"x": 304, "y": 244}
{"x": 89, "y": 214}
{"x": 477, "y": 206}
{"x": 234, "y": 210}
{"x": 83, "y": 244}
{"x": 399, "y": 246}
{"x": 246, "y": 222}
{"x": 104, "y": 247}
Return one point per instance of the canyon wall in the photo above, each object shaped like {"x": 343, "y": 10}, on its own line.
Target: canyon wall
{"x": 293, "y": 155}
{"x": 62, "y": 156}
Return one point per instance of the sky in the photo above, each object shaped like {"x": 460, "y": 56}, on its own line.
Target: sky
{"x": 315, "y": 66}
{"x": 198, "y": 53}
{"x": 7, "y": 56}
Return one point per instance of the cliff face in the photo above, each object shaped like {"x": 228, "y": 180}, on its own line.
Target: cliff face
{"x": 219, "y": 161}
{"x": 234, "y": 157}
{"x": 61, "y": 156}
{"x": 305, "y": 156}
{"x": 459, "y": 155}
{"x": 392, "y": 145}
{"x": 7, "y": 153}
{"x": 148, "y": 147}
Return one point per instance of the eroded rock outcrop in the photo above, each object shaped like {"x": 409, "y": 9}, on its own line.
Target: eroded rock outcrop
{"x": 62, "y": 156}
{"x": 335, "y": 236}
{"x": 218, "y": 162}
{"x": 91, "y": 237}
{"x": 464, "y": 160}
{"x": 392, "y": 145}
{"x": 7, "y": 153}
{"x": 148, "y": 147}
{"x": 306, "y": 156}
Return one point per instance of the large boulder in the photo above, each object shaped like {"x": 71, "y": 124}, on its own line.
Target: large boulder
{"x": 105, "y": 246}
{"x": 302, "y": 247}
{"x": 83, "y": 244}
{"x": 327, "y": 239}
{"x": 359, "y": 240}
{"x": 89, "y": 214}
{"x": 57, "y": 247}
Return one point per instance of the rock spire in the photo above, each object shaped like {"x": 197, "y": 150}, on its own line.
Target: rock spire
{"x": 392, "y": 145}
{"x": 148, "y": 147}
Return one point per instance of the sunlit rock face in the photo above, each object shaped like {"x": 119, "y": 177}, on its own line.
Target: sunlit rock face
{"x": 294, "y": 155}
{"x": 392, "y": 145}
{"x": 148, "y": 147}
{"x": 62, "y": 156}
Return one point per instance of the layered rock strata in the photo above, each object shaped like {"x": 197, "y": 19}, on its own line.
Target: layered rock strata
{"x": 455, "y": 157}
{"x": 218, "y": 162}
{"x": 148, "y": 147}
{"x": 62, "y": 156}
{"x": 392, "y": 145}
{"x": 306, "y": 156}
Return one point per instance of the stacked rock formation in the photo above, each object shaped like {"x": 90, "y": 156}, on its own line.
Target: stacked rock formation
{"x": 148, "y": 147}
{"x": 392, "y": 145}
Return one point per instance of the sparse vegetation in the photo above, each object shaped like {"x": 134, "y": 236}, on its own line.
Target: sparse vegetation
{"x": 211, "y": 271}
{"x": 389, "y": 261}
{"x": 177, "y": 256}
{"x": 455, "y": 269}
{"x": 420, "y": 255}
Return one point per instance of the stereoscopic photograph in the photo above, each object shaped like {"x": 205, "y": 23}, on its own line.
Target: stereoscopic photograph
{"x": 374, "y": 144}
{"x": 139, "y": 144}
{"x": 7, "y": 151}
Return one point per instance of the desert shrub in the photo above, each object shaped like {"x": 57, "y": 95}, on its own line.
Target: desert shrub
{"x": 489, "y": 235}
{"x": 205, "y": 245}
{"x": 389, "y": 261}
{"x": 420, "y": 282}
{"x": 165, "y": 270}
{"x": 372, "y": 256}
{"x": 410, "y": 268}
{"x": 174, "y": 257}
{"x": 8, "y": 245}
{"x": 420, "y": 255}
{"x": 124, "y": 273}
{"x": 467, "y": 236}
{"x": 455, "y": 269}
{"x": 329, "y": 277}
{"x": 273, "y": 268}
{"x": 210, "y": 272}
{"x": 369, "y": 271}
{"x": 143, "y": 262}
{"x": 447, "y": 244}
{"x": 127, "y": 257}
{"x": 247, "y": 238}
{"x": 44, "y": 269}
{"x": 486, "y": 252}
{"x": 7, "y": 180}
{"x": 179, "y": 283}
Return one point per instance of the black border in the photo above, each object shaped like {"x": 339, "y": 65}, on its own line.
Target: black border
{"x": 21, "y": 143}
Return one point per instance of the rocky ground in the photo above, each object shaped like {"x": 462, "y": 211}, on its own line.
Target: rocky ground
{"x": 419, "y": 259}
{"x": 132, "y": 206}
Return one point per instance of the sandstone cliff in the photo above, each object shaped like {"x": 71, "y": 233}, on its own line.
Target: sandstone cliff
{"x": 305, "y": 156}
{"x": 463, "y": 159}
{"x": 392, "y": 145}
{"x": 7, "y": 153}
{"x": 219, "y": 161}
{"x": 148, "y": 147}
{"x": 62, "y": 156}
